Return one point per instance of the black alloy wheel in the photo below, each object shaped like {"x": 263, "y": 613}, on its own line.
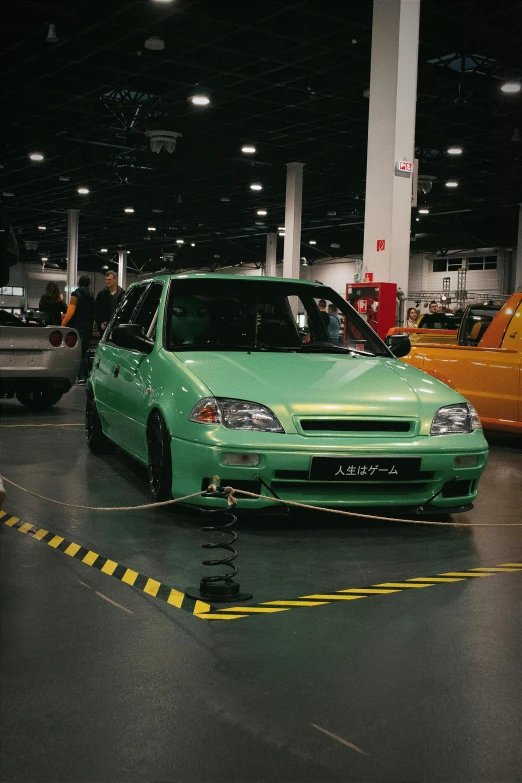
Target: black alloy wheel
{"x": 160, "y": 460}
{"x": 39, "y": 397}
{"x": 96, "y": 440}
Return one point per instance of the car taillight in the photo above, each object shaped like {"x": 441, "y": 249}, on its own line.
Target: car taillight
{"x": 71, "y": 338}
{"x": 55, "y": 338}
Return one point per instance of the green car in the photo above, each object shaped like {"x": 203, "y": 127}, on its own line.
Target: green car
{"x": 200, "y": 375}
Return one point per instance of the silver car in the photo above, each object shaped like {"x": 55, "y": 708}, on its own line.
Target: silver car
{"x": 38, "y": 364}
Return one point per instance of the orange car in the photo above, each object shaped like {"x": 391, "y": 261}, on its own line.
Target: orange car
{"x": 431, "y": 328}
{"x": 486, "y": 365}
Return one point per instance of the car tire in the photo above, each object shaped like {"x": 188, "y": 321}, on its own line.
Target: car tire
{"x": 38, "y": 397}
{"x": 97, "y": 441}
{"x": 160, "y": 459}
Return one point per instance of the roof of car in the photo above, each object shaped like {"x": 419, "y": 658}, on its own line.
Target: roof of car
{"x": 214, "y": 276}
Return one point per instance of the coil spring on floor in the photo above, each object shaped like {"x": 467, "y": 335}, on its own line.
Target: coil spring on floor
{"x": 226, "y": 520}
{"x": 220, "y": 587}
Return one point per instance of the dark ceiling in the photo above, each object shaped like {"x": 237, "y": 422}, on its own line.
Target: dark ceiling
{"x": 286, "y": 76}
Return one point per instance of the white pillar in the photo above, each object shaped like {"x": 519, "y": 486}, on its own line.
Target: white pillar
{"x": 391, "y": 136}
{"x": 122, "y": 268}
{"x": 271, "y": 254}
{"x": 72, "y": 251}
{"x": 518, "y": 257}
{"x": 293, "y": 211}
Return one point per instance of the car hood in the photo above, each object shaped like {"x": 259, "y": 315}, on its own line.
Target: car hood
{"x": 295, "y": 385}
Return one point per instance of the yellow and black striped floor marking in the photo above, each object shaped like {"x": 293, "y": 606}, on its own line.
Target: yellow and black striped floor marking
{"x": 204, "y": 611}
{"x": 151, "y": 587}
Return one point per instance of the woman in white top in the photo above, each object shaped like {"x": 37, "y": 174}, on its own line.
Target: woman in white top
{"x": 411, "y": 319}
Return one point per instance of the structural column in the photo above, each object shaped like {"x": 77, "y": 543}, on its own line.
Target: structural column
{"x": 293, "y": 211}
{"x": 391, "y": 137}
{"x": 518, "y": 258}
{"x": 122, "y": 268}
{"x": 271, "y": 254}
{"x": 72, "y": 251}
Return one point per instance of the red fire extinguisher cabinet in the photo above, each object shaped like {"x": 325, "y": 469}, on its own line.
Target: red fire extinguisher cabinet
{"x": 376, "y": 303}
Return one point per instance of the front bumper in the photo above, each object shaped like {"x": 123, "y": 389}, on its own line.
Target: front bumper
{"x": 284, "y": 471}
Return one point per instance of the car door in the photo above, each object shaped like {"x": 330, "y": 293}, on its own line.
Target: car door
{"x": 108, "y": 357}
{"x": 130, "y": 380}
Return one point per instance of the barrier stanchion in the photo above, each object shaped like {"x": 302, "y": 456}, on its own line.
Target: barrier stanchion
{"x": 220, "y": 588}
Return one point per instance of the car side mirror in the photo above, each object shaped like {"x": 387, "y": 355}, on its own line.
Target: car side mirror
{"x": 131, "y": 336}
{"x": 399, "y": 345}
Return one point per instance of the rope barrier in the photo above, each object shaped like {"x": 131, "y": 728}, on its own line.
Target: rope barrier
{"x": 232, "y": 500}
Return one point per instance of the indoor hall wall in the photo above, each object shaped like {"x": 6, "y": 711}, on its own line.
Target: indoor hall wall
{"x": 34, "y": 278}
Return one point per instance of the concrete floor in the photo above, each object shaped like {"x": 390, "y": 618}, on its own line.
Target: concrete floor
{"x": 101, "y": 682}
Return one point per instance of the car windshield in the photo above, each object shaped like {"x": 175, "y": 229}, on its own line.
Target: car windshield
{"x": 440, "y": 321}
{"x": 220, "y": 314}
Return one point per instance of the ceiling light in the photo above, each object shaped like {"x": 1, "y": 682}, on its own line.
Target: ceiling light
{"x": 62, "y": 178}
{"x": 104, "y": 267}
{"x": 224, "y": 198}
{"x": 261, "y": 212}
{"x": 200, "y": 100}
{"x": 281, "y": 233}
{"x": 44, "y": 258}
{"x": 163, "y": 1}
{"x": 331, "y": 214}
{"x": 280, "y": 228}
{"x": 103, "y": 250}
{"x": 129, "y": 209}
{"x": 335, "y": 244}
{"x": 452, "y": 184}
{"x": 83, "y": 191}
{"x": 51, "y": 34}
{"x": 417, "y": 219}
{"x": 256, "y": 186}
{"x": 36, "y": 156}
{"x": 180, "y": 241}
{"x": 151, "y": 228}
{"x": 424, "y": 211}
{"x": 248, "y": 149}
{"x": 192, "y": 244}
{"x": 312, "y": 242}
{"x": 511, "y": 87}
{"x": 154, "y": 43}
{"x": 157, "y": 210}
{"x": 42, "y": 228}
{"x": 454, "y": 150}
{"x": 8, "y": 194}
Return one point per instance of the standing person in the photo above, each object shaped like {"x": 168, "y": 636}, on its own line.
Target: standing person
{"x": 433, "y": 306}
{"x": 52, "y": 303}
{"x": 324, "y": 315}
{"x": 411, "y": 318}
{"x": 107, "y": 300}
{"x": 334, "y": 325}
{"x": 80, "y": 315}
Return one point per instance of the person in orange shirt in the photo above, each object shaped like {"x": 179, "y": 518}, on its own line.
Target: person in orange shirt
{"x": 80, "y": 316}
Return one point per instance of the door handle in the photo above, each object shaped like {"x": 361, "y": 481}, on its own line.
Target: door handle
{"x": 116, "y": 371}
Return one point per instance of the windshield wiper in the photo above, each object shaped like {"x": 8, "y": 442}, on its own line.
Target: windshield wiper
{"x": 215, "y": 345}
{"x": 327, "y": 348}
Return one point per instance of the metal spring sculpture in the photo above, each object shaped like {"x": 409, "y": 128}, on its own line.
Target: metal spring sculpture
{"x": 220, "y": 588}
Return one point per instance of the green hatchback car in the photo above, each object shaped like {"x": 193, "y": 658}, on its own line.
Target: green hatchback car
{"x": 201, "y": 374}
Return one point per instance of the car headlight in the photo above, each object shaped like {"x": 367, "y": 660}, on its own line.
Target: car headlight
{"x": 235, "y": 414}
{"x": 454, "y": 419}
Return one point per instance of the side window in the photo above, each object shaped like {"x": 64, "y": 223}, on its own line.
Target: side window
{"x": 146, "y": 315}
{"x": 123, "y": 314}
{"x": 475, "y": 324}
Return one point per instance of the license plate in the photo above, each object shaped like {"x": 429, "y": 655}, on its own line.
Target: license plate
{"x": 364, "y": 468}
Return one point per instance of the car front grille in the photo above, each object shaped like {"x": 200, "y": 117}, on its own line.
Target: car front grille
{"x": 356, "y": 426}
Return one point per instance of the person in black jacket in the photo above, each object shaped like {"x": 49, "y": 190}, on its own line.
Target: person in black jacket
{"x": 80, "y": 315}
{"x": 52, "y": 303}
{"x": 107, "y": 300}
